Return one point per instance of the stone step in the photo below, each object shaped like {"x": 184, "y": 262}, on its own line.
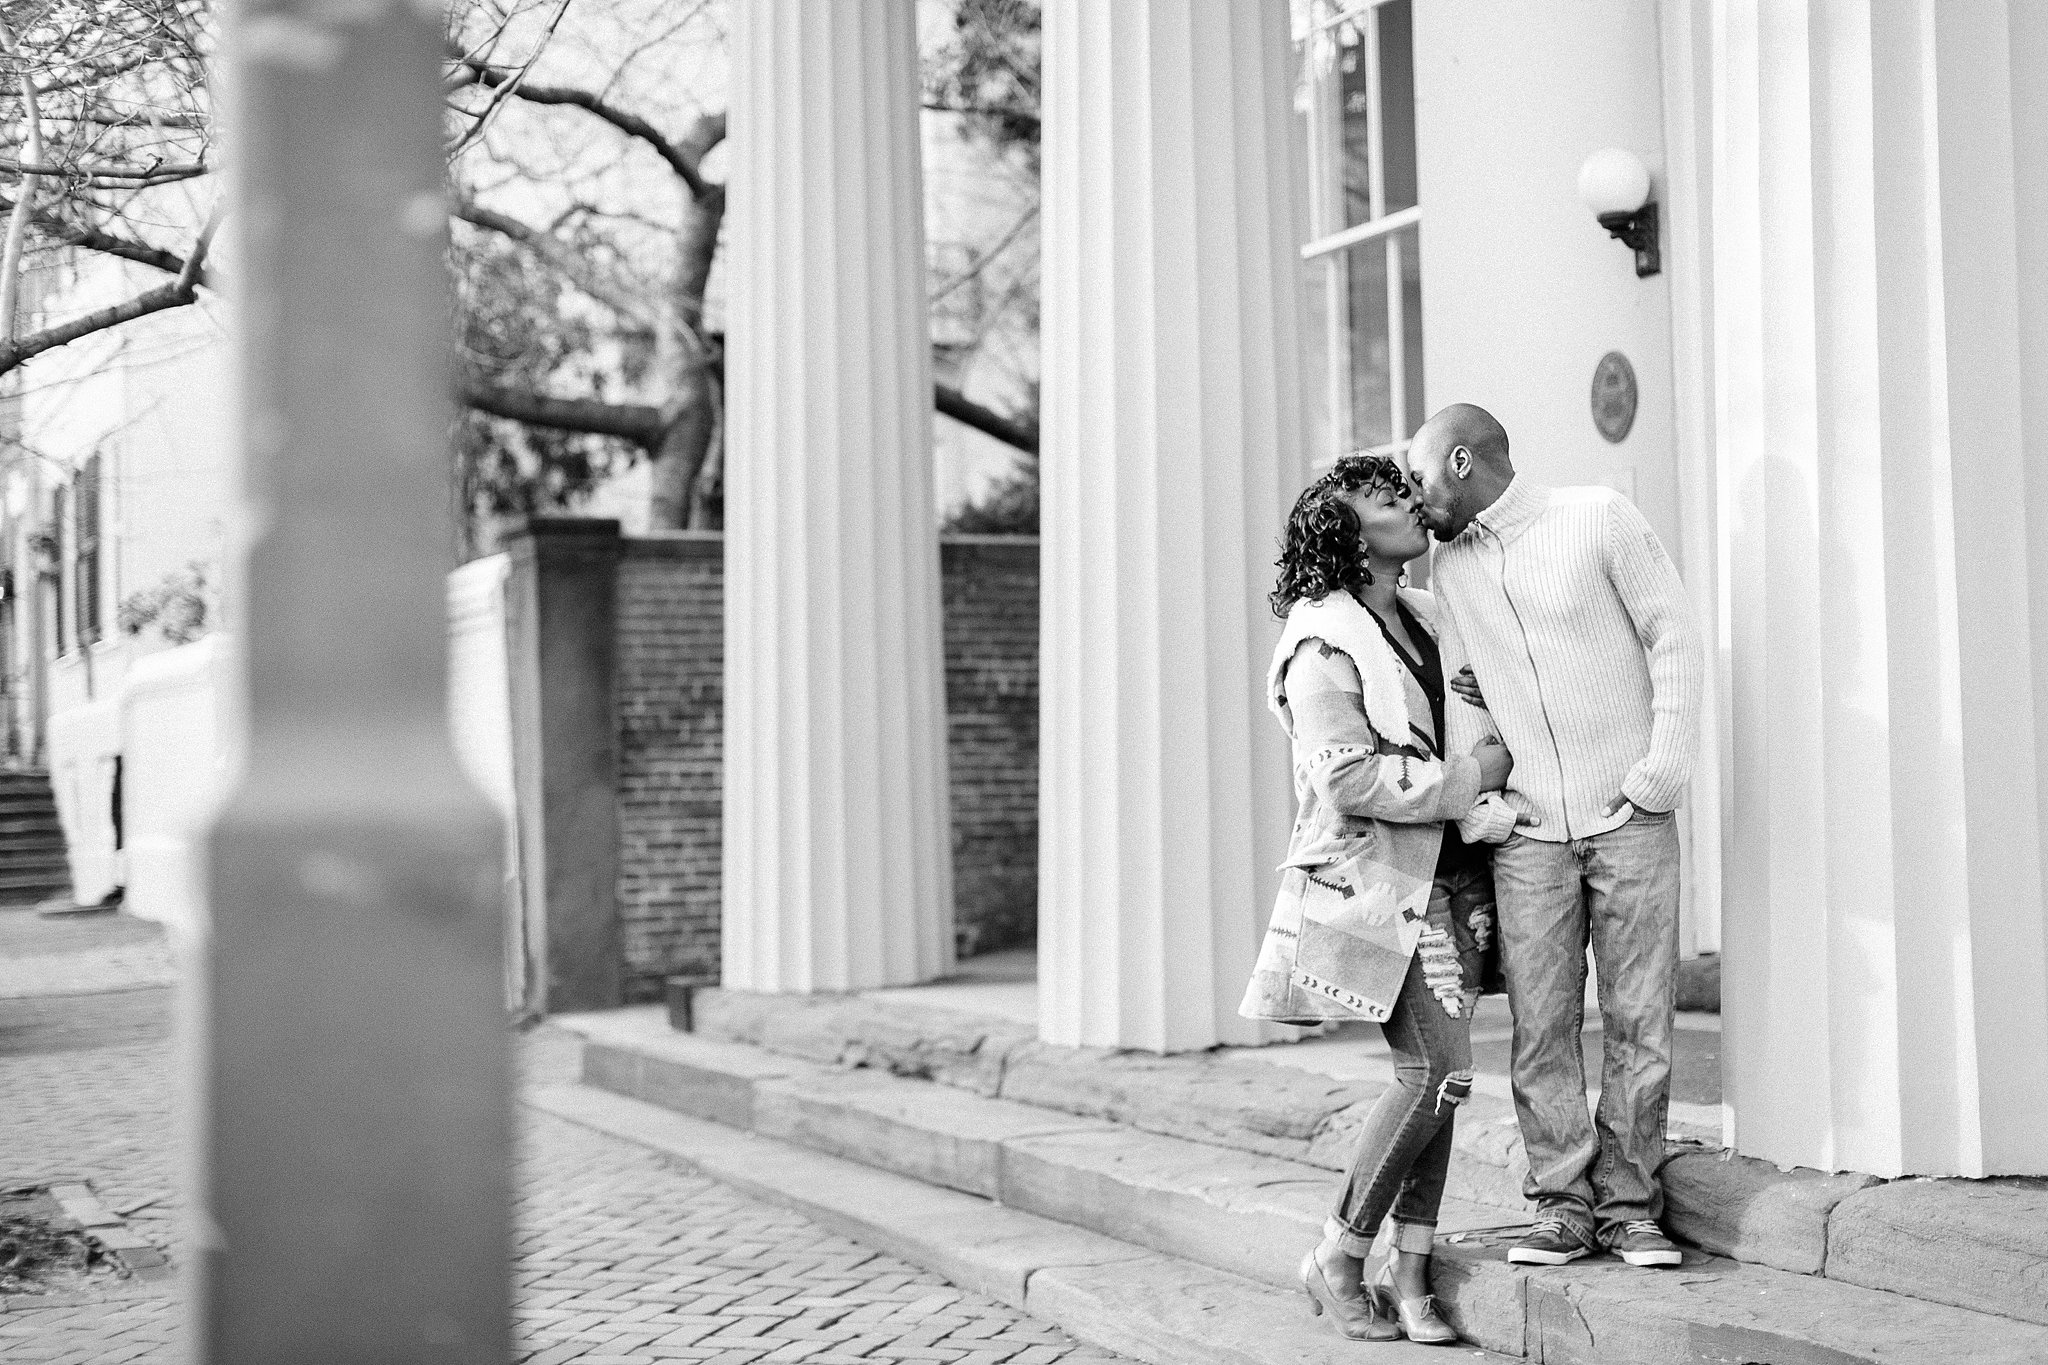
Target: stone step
{"x": 14, "y": 858}
{"x": 20, "y": 886}
{"x": 1733, "y": 1206}
{"x": 1250, "y": 1215}
{"x": 31, "y": 823}
{"x": 1103, "y": 1290}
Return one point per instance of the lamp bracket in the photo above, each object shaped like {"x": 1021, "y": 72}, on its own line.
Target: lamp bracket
{"x": 1638, "y": 231}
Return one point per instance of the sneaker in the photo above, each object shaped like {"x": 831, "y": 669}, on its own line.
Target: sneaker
{"x": 1553, "y": 1241}
{"x": 1642, "y": 1242}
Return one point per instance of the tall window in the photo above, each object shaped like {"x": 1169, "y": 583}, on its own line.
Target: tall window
{"x": 86, "y": 538}
{"x": 60, "y": 535}
{"x": 1364, "y": 271}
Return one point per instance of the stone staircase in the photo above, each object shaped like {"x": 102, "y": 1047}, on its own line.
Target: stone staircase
{"x": 1197, "y": 1236}
{"x": 32, "y": 861}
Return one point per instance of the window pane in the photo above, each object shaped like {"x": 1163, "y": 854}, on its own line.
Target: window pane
{"x": 1365, "y": 268}
{"x": 60, "y": 515}
{"x": 1320, "y": 99}
{"x": 1324, "y": 428}
{"x": 1397, "y": 103}
{"x": 1411, "y": 328}
{"x": 1353, "y": 78}
{"x": 87, "y": 539}
{"x": 1358, "y": 340}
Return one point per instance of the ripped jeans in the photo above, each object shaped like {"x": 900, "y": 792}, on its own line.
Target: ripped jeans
{"x": 1404, "y": 1151}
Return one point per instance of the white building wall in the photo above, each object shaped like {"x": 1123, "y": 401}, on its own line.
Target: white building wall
{"x": 1522, "y": 291}
{"x": 173, "y": 770}
{"x": 152, "y": 400}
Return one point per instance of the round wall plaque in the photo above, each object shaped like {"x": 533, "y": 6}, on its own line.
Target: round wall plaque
{"x": 1614, "y": 396}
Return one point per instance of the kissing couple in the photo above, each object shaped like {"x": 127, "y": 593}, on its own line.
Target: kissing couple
{"x": 1485, "y": 780}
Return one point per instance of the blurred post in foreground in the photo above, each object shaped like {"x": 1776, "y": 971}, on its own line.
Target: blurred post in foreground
{"x": 352, "y": 1111}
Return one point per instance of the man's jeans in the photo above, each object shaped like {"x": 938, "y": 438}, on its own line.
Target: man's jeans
{"x": 1620, "y": 891}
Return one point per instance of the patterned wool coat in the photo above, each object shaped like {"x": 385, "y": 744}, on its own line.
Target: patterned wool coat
{"x": 1372, "y": 794}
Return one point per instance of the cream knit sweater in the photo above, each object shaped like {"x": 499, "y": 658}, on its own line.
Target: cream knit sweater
{"x": 1575, "y": 622}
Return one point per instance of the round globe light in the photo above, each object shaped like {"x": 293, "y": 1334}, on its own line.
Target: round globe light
{"x": 1614, "y": 181}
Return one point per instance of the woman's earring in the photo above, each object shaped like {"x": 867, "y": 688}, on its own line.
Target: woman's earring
{"x": 1402, "y": 582}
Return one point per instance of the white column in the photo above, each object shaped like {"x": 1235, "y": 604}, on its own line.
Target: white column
{"x": 1880, "y": 303}
{"x": 1688, "y": 260}
{"x": 837, "y": 869}
{"x": 1171, "y": 408}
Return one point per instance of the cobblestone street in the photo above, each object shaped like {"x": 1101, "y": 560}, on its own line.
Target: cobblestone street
{"x": 623, "y": 1255}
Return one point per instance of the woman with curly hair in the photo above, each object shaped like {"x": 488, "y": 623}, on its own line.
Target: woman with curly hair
{"x": 1385, "y": 909}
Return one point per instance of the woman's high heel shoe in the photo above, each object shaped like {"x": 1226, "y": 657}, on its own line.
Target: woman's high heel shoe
{"x": 1360, "y": 1318}
{"x": 1418, "y": 1318}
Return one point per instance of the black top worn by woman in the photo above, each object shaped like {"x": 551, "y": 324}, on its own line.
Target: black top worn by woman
{"x": 1427, "y": 667}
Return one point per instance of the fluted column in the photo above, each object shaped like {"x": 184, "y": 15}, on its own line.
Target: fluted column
{"x": 837, "y": 872}
{"x": 1882, "y": 335}
{"x": 1171, "y": 446}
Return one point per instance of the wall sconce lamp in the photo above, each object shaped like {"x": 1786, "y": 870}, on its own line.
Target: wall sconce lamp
{"x": 1615, "y": 184}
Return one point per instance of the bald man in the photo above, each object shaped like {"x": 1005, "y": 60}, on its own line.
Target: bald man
{"x": 1573, "y": 627}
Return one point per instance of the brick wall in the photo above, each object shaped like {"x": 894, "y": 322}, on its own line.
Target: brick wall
{"x": 991, "y": 594}
{"x": 670, "y": 656}
{"x": 670, "y": 687}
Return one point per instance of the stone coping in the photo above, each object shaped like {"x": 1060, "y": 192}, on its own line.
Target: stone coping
{"x": 1979, "y": 1245}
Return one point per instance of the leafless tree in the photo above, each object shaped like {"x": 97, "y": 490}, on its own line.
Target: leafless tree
{"x": 581, "y": 309}
{"x": 108, "y": 139}
{"x": 677, "y": 420}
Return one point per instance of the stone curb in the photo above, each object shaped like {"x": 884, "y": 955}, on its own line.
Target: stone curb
{"x": 1248, "y": 1215}
{"x": 1101, "y": 1290}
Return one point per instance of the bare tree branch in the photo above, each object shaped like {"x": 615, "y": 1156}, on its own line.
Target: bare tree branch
{"x": 1009, "y": 430}
{"x": 179, "y": 292}
{"x": 573, "y": 265}
{"x": 644, "y": 424}
{"x": 984, "y": 110}
{"x": 981, "y": 262}
{"x": 94, "y": 75}
{"x": 92, "y": 239}
{"x": 173, "y": 295}
{"x": 88, "y": 170}
{"x": 509, "y": 86}
{"x": 631, "y": 124}
{"x": 632, "y": 421}
{"x": 24, "y": 207}
{"x": 195, "y": 264}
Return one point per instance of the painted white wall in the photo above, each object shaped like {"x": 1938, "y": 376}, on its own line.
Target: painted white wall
{"x": 152, "y": 397}
{"x": 1522, "y": 291}
{"x": 83, "y": 741}
{"x": 480, "y": 723}
{"x": 172, "y": 772}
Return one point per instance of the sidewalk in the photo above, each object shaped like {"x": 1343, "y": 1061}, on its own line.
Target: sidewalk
{"x": 625, "y": 1257}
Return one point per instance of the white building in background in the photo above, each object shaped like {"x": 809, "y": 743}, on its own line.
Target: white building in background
{"x": 116, "y": 494}
{"x": 1839, "y": 406}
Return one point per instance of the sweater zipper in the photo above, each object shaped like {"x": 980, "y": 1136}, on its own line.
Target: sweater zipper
{"x": 1556, "y": 753}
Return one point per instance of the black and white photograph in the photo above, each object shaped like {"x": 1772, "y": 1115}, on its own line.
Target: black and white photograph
{"x": 1023, "y": 682}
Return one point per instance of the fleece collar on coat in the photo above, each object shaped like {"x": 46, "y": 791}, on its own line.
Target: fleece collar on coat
{"x": 1341, "y": 622}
